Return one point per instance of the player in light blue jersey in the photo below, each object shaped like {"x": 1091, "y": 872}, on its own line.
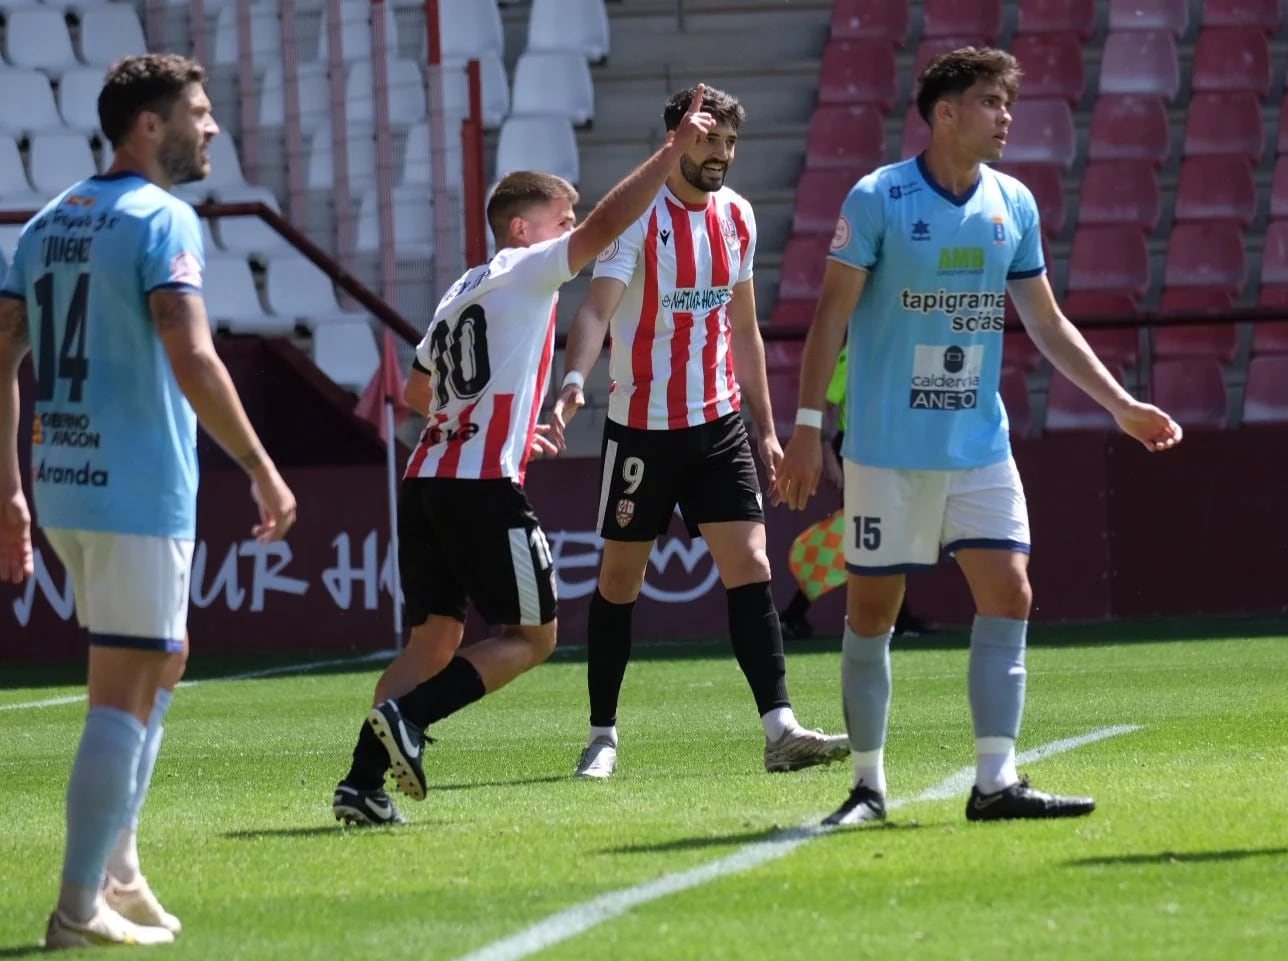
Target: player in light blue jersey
{"x": 924, "y": 255}
{"x": 105, "y": 290}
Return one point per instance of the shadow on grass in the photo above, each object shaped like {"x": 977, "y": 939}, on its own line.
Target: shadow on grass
{"x": 23, "y": 951}
{"x": 1178, "y": 857}
{"x": 515, "y": 782}
{"x": 767, "y": 835}
{"x": 328, "y": 830}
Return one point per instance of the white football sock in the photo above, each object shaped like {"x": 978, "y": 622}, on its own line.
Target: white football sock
{"x": 777, "y": 721}
{"x": 869, "y": 767}
{"x": 994, "y": 764}
{"x": 609, "y": 732}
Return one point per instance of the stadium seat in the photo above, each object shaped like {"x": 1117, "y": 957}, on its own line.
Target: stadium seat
{"x": 299, "y": 290}
{"x": 1279, "y": 189}
{"x": 1273, "y": 295}
{"x": 1216, "y": 188}
{"x": 108, "y": 33}
{"x": 467, "y": 28}
{"x": 361, "y": 157}
{"x": 538, "y": 143}
{"x": 346, "y": 352}
{"x": 962, "y": 18}
{"x": 793, "y": 313}
{"x": 78, "y": 98}
{"x": 1232, "y": 58}
{"x": 233, "y": 303}
{"x": 850, "y": 136}
{"x": 1058, "y": 16}
{"x": 1068, "y": 408}
{"x": 1116, "y": 346}
{"x": 1141, "y": 62}
{"x": 554, "y": 82}
{"x": 13, "y": 176}
{"x": 819, "y": 194}
{"x": 265, "y": 32}
{"x": 1047, "y": 185}
{"x": 1109, "y": 258}
{"x": 1171, "y": 15}
{"x": 580, "y": 25}
{"x": 1041, "y": 132}
{"x": 405, "y": 92}
{"x": 1264, "y": 14}
{"x": 916, "y": 134}
{"x": 1130, "y": 128}
{"x": 870, "y": 20}
{"x": 1206, "y": 254}
{"x": 59, "y": 159}
{"x": 29, "y": 103}
{"x": 1274, "y": 253}
{"x": 1270, "y": 337}
{"x": 493, "y": 81}
{"x": 1052, "y": 65}
{"x": 1220, "y": 341}
{"x": 36, "y": 38}
{"x": 417, "y": 165}
{"x": 1224, "y": 123}
{"x": 1089, "y": 307}
{"x": 314, "y": 97}
{"x": 225, "y": 171}
{"x": 858, "y": 71}
{"x": 1019, "y": 351}
{"x": 801, "y": 272}
{"x": 1265, "y": 397}
{"x": 1192, "y": 390}
{"x": 784, "y": 355}
{"x": 249, "y": 236}
{"x": 1014, "y": 389}
{"x": 413, "y": 224}
{"x": 1119, "y": 192}
{"x": 356, "y": 41}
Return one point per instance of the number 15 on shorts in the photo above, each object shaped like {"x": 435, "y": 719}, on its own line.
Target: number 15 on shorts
{"x": 867, "y": 533}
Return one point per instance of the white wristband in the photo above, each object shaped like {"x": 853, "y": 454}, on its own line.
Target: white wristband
{"x": 805, "y": 417}
{"x": 573, "y": 379}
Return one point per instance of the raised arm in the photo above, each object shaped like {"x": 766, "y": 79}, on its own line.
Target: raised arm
{"x": 16, "y": 559}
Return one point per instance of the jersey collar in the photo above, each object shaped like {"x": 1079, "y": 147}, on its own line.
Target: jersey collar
{"x": 952, "y": 198}
{"x": 697, "y": 208}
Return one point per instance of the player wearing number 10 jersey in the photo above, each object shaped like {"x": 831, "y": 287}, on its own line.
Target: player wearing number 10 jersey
{"x": 466, "y": 531}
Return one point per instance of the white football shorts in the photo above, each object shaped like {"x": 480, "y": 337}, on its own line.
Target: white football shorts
{"x": 131, "y": 590}
{"x": 900, "y": 520}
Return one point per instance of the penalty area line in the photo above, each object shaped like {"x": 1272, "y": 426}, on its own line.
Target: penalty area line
{"x": 580, "y": 918}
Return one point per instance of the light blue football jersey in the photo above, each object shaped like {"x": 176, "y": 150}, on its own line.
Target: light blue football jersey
{"x": 925, "y": 344}
{"x": 115, "y": 442}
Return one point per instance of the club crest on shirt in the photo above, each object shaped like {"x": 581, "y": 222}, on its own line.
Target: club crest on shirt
{"x": 999, "y": 230}
{"x": 609, "y": 252}
{"x": 185, "y": 268}
{"x": 625, "y": 511}
{"x": 729, "y": 231}
{"x": 841, "y": 238}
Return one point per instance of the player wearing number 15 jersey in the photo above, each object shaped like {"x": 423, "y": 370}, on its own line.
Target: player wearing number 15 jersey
{"x": 105, "y": 290}
{"x": 466, "y": 531}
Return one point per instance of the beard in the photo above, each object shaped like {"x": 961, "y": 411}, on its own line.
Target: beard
{"x": 710, "y": 181}
{"x": 182, "y": 159}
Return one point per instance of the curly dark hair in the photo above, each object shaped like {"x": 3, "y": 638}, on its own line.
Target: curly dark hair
{"x": 150, "y": 82}
{"x": 723, "y": 106}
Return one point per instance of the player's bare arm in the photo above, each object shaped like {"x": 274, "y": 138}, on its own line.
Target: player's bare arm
{"x": 1066, "y": 348}
{"x": 181, "y": 323}
{"x": 749, "y": 365}
{"x": 418, "y": 392}
{"x": 803, "y": 459}
{"x": 585, "y": 342}
{"x": 16, "y": 559}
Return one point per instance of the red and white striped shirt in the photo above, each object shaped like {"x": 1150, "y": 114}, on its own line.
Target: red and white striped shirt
{"x": 671, "y": 361}
{"x": 489, "y": 349}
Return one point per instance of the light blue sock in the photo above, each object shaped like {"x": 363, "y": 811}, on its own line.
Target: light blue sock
{"x": 148, "y": 757}
{"x": 99, "y": 793}
{"x": 865, "y": 692}
{"x": 996, "y": 680}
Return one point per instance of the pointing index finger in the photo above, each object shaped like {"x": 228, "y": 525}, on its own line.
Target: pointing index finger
{"x": 698, "y": 92}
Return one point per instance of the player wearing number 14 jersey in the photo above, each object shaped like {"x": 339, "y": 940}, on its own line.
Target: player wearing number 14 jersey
{"x": 466, "y": 531}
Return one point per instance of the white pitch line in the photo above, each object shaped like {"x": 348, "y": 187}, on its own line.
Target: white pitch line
{"x": 247, "y": 676}
{"x": 582, "y": 917}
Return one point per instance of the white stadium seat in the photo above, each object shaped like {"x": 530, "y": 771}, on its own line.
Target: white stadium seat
{"x": 37, "y": 38}
{"x": 417, "y": 168}
{"x": 346, "y": 352}
{"x": 110, "y": 32}
{"x": 538, "y": 143}
{"x": 250, "y": 236}
{"x": 468, "y": 28}
{"x": 232, "y": 302}
{"x": 495, "y": 88}
{"x": 315, "y": 97}
{"x": 580, "y": 25}
{"x": 355, "y": 32}
{"x": 298, "y": 289}
{"x": 413, "y": 222}
{"x": 265, "y": 32}
{"x": 78, "y": 98}
{"x": 406, "y": 93}
{"x": 58, "y": 160}
{"x": 361, "y": 155}
{"x": 28, "y": 102}
{"x": 554, "y": 82}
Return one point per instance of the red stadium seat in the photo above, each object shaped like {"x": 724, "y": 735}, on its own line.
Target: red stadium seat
{"x": 959, "y": 18}
{"x": 1274, "y": 253}
{"x": 1224, "y": 123}
{"x": 1109, "y": 258}
{"x": 1068, "y": 408}
{"x": 1265, "y": 397}
{"x": 1206, "y": 254}
{"x": 1014, "y": 388}
{"x": 1058, "y": 16}
{"x": 1048, "y": 190}
{"x": 870, "y": 20}
{"x": 1281, "y": 145}
{"x": 1130, "y": 128}
{"x": 1216, "y": 188}
{"x": 819, "y": 194}
{"x": 784, "y": 394}
{"x": 1171, "y": 15}
{"x": 1119, "y": 192}
{"x": 1279, "y": 189}
{"x": 1220, "y": 341}
{"x": 916, "y": 134}
{"x": 1052, "y": 64}
{"x": 858, "y": 71}
{"x": 1141, "y": 62}
{"x": 793, "y": 313}
{"x": 1117, "y": 346}
{"x": 801, "y": 272}
{"x": 1089, "y": 307}
{"x": 784, "y": 355}
{"x": 1192, "y": 390}
{"x": 1232, "y": 58}
{"x": 850, "y": 136}
{"x": 1270, "y": 337}
{"x": 1042, "y": 132}
{"x": 1264, "y": 14}
{"x": 1019, "y": 351}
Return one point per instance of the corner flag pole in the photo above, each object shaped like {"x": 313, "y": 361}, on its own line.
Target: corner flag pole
{"x": 391, "y": 442}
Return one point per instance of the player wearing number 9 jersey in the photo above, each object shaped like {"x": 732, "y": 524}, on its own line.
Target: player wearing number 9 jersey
{"x": 467, "y": 533}
{"x": 105, "y": 290}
